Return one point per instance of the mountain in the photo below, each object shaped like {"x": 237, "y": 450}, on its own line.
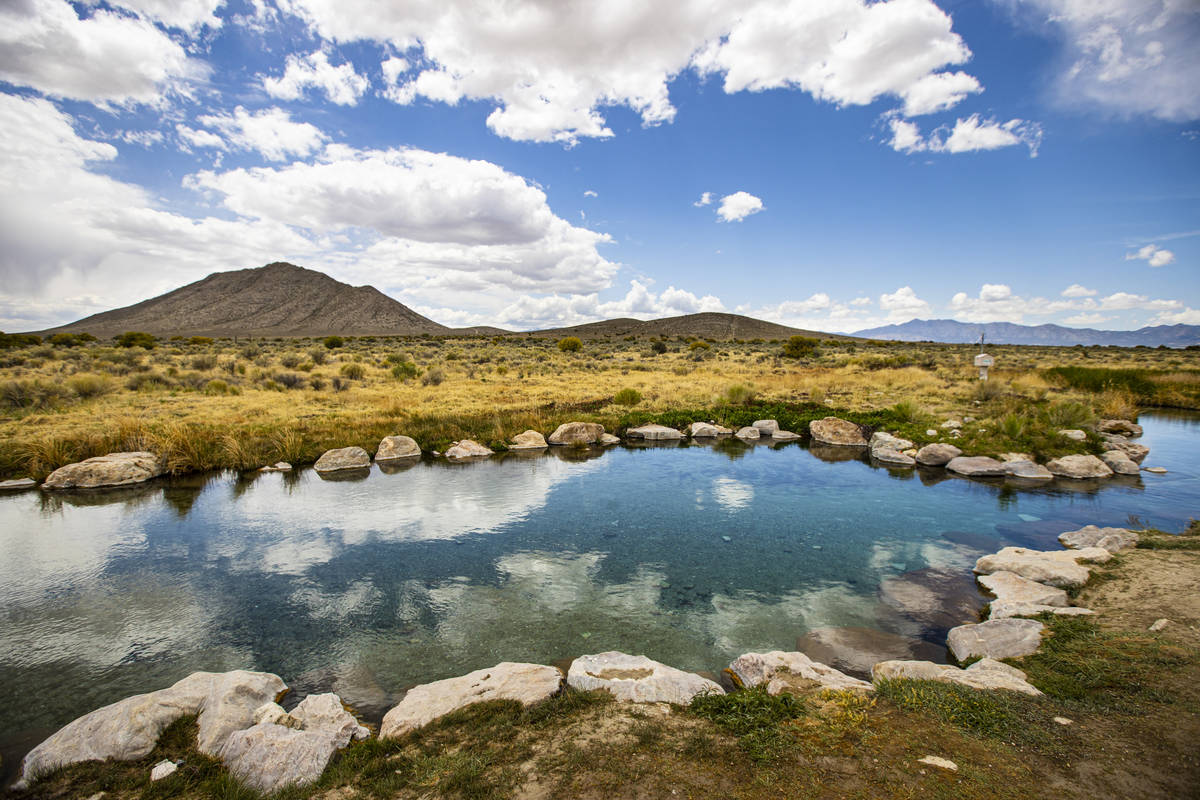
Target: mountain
{"x": 954, "y": 332}
{"x": 708, "y": 325}
{"x": 276, "y": 300}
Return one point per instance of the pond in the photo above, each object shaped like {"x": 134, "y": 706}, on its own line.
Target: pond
{"x": 690, "y": 554}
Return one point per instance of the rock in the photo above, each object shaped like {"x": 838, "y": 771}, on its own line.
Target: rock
{"x": 789, "y": 672}
{"x": 1122, "y": 427}
{"x": 931, "y": 432}
{"x": 577, "y": 433}
{"x": 976, "y": 467}
{"x": 1007, "y": 457}
{"x": 325, "y": 712}
{"x": 1064, "y": 721}
{"x": 1001, "y": 610}
{"x": 886, "y": 455}
{"x": 986, "y": 673}
{"x": 937, "y": 454}
{"x": 940, "y": 763}
{"x": 886, "y": 441}
{"x": 393, "y": 447}
{"x": 1155, "y": 470}
{"x": 785, "y": 436}
{"x": 1136, "y": 452}
{"x": 128, "y": 729}
{"x": 996, "y": 638}
{"x": 705, "y": 430}
{"x": 271, "y": 712}
{"x": 525, "y": 683}
{"x": 467, "y": 448}
{"x": 1009, "y": 587}
{"x": 1054, "y": 568}
{"x": 1111, "y": 539}
{"x": 1074, "y": 434}
{"x": 1027, "y": 470}
{"x": 1119, "y": 462}
{"x": 654, "y": 433}
{"x": 17, "y": 484}
{"x": 832, "y": 430}
{"x": 342, "y": 458}
{"x": 951, "y": 424}
{"x": 114, "y": 469}
{"x": 529, "y": 440}
{"x": 607, "y": 438}
{"x": 162, "y": 769}
{"x": 1159, "y": 624}
{"x": 954, "y": 434}
{"x": 1079, "y": 466}
{"x": 278, "y": 466}
{"x": 637, "y": 679}
{"x": 766, "y": 427}
{"x": 748, "y": 433}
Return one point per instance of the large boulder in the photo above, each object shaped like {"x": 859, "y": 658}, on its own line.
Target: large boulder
{"x": 1079, "y": 466}
{"x": 114, "y": 469}
{"x": 1054, "y": 567}
{"x": 1111, "y": 539}
{"x": 1026, "y": 469}
{"x": 976, "y": 467}
{"x": 832, "y": 430}
{"x": 577, "y": 433}
{"x": 529, "y": 440}
{"x": 467, "y": 448}
{"x": 342, "y": 458}
{"x": 987, "y": 673}
{"x": 766, "y": 427}
{"x": 1136, "y": 452}
{"x": 748, "y": 433}
{"x": 707, "y": 430}
{"x": 789, "y": 672}
{"x": 525, "y": 683}
{"x": 394, "y": 447}
{"x": 654, "y": 433}
{"x": 128, "y": 729}
{"x": 1009, "y": 587}
{"x": 637, "y": 679}
{"x": 1120, "y": 463}
{"x": 996, "y": 638}
{"x": 937, "y": 454}
{"x": 1121, "y": 427}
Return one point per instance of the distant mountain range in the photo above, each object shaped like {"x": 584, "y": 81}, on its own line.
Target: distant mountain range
{"x": 954, "y": 332}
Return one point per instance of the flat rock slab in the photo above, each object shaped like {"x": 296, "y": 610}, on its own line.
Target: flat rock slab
{"x": 707, "y": 430}
{"x": 785, "y": 436}
{"x": 1079, "y": 466}
{"x": 343, "y": 458}
{"x": 1111, "y": 539}
{"x": 984, "y": 674}
{"x": 18, "y": 484}
{"x": 749, "y": 433}
{"x": 1003, "y": 610}
{"x": 637, "y": 679}
{"x": 833, "y": 430}
{"x": 529, "y": 440}
{"x": 278, "y": 466}
{"x": 996, "y": 638}
{"x": 525, "y": 683}
{"x": 654, "y": 433}
{"x": 937, "y": 454}
{"x": 1027, "y": 470}
{"x": 1009, "y": 587}
{"x": 976, "y": 467}
{"x": 394, "y": 447}
{"x": 791, "y": 673}
{"x": 1054, "y": 568}
{"x": 114, "y": 469}
{"x": 467, "y": 448}
{"x": 886, "y": 455}
{"x": 577, "y": 433}
{"x": 128, "y": 729}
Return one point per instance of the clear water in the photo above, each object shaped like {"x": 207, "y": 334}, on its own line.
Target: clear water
{"x": 690, "y": 554}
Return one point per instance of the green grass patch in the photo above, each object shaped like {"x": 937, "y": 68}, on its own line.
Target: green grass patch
{"x": 999, "y": 715}
{"x": 756, "y": 718}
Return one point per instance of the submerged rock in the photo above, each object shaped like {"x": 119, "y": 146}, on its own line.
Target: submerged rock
{"x": 114, "y": 469}
{"x": 577, "y": 433}
{"x": 394, "y": 447}
{"x": 1079, "y": 466}
{"x": 790, "y": 672}
{"x": 986, "y": 673}
{"x": 937, "y": 454}
{"x": 976, "y": 467}
{"x": 637, "y": 679}
{"x": 342, "y": 458}
{"x": 707, "y": 430}
{"x": 996, "y": 638}
{"x": 833, "y": 430}
{"x": 1054, "y": 568}
{"x": 1009, "y": 587}
{"x": 1111, "y": 539}
{"x": 525, "y": 683}
{"x": 529, "y": 440}
{"x": 654, "y": 433}
{"x": 467, "y": 448}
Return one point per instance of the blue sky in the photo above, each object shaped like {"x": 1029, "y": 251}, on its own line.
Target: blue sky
{"x": 830, "y": 164}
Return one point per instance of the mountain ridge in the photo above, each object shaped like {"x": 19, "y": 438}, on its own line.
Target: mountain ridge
{"x": 951, "y": 331}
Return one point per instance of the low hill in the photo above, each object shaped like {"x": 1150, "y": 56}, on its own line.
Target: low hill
{"x": 705, "y": 325}
{"x": 953, "y": 332}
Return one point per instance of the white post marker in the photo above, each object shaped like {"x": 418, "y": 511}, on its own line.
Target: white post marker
{"x": 983, "y": 360}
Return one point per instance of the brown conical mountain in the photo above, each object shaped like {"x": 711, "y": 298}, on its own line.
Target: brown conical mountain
{"x": 279, "y": 299}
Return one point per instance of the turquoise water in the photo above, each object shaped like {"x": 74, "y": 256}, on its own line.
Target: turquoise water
{"x": 690, "y": 554}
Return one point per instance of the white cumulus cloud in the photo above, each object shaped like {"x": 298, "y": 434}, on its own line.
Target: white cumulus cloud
{"x": 739, "y": 205}
{"x": 269, "y": 131}
{"x": 340, "y": 83}
{"x": 190, "y": 15}
{"x": 706, "y": 198}
{"x": 1076, "y": 290}
{"x": 1153, "y": 255}
{"x": 903, "y": 305}
{"x": 968, "y": 135}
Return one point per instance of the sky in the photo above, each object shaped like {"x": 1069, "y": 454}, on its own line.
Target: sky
{"x": 828, "y": 164}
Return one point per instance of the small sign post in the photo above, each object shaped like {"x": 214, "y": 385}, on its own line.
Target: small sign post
{"x": 983, "y": 360}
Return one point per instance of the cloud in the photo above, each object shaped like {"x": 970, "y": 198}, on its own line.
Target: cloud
{"x": 737, "y": 206}
{"x": 552, "y": 67}
{"x": 861, "y": 301}
{"x": 193, "y": 137}
{"x": 1075, "y": 290}
{"x": 269, "y": 131}
{"x": 189, "y": 15}
{"x": 1153, "y": 255}
{"x": 1087, "y": 319}
{"x": 1124, "y": 301}
{"x": 530, "y": 312}
{"x": 706, "y": 198}
{"x": 1130, "y": 57}
{"x": 903, "y": 305}
{"x": 341, "y": 84}
{"x": 105, "y": 59}
{"x": 968, "y": 135}
{"x": 589, "y": 193}
{"x": 1187, "y": 316}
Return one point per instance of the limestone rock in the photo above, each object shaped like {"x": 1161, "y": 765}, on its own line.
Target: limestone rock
{"x": 1136, "y": 452}
{"x": 790, "y": 672}
{"x": 1079, "y": 466}
{"x": 1074, "y": 434}
{"x": 887, "y": 455}
{"x": 278, "y": 466}
{"x": 607, "y": 438}
{"x": 1009, "y": 587}
{"x": 1002, "y": 610}
{"x": 749, "y": 433}
{"x": 529, "y": 440}
{"x": 785, "y": 436}
{"x": 270, "y": 712}
{"x": 1159, "y": 624}
{"x": 114, "y": 469}
{"x": 1120, "y": 463}
{"x": 1155, "y": 470}
{"x": 996, "y": 638}
{"x": 1027, "y": 470}
{"x": 162, "y": 769}
{"x": 393, "y": 447}
{"x": 707, "y": 430}
{"x": 128, "y": 729}
{"x": 952, "y": 424}
{"x": 342, "y": 458}
{"x": 976, "y": 467}
{"x": 766, "y": 427}
{"x": 1054, "y": 568}
{"x": 577, "y": 433}
{"x": 937, "y": 454}
{"x": 654, "y": 433}
{"x": 986, "y": 673}
{"x": 467, "y": 448}
{"x": 637, "y": 679}
{"x": 17, "y": 484}
{"x": 1111, "y": 539}
{"x": 940, "y": 763}
{"x": 325, "y": 712}
{"x": 1122, "y": 427}
{"x": 832, "y": 430}
{"x": 525, "y": 683}
{"x": 886, "y": 441}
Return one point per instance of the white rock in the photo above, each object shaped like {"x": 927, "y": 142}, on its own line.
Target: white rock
{"x": 343, "y": 458}
{"x": 832, "y": 430}
{"x": 1074, "y": 434}
{"x": 951, "y": 424}
{"x": 937, "y": 454}
{"x": 1008, "y": 587}
{"x": 394, "y": 447}
{"x": 785, "y": 436}
{"x": 1111, "y": 539}
{"x": 790, "y": 672}
{"x": 607, "y": 439}
{"x": 976, "y": 467}
{"x": 931, "y": 432}
{"x": 886, "y": 441}
{"x": 17, "y": 484}
{"x": 1079, "y": 466}
{"x": 525, "y": 683}
{"x": 269, "y": 757}
{"x": 986, "y": 673}
{"x": 748, "y": 433}
{"x": 114, "y": 469}
{"x": 886, "y": 455}
{"x": 767, "y": 427}
{"x": 1064, "y": 721}
{"x": 529, "y": 440}
{"x": 1002, "y": 610}
{"x": 1054, "y": 568}
{"x": 577, "y": 433}
{"x": 467, "y": 448}
{"x": 1027, "y": 470}
{"x": 270, "y": 712}
{"x": 637, "y": 679}
{"x": 278, "y": 466}
{"x": 1136, "y": 452}
{"x": 162, "y": 769}
{"x": 1119, "y": 462}
{"x": 1159, "y": 624}
{"x": 996, "y": 638}
{"x": 706, "y": 430}
{"x": 940, "y": 763}
{"x": 658, "y": 433}
{"x": 325, "y": 712}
